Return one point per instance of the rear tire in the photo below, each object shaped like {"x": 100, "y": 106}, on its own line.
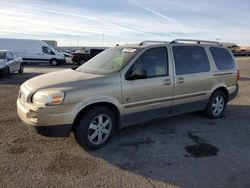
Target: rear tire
{"x": 95, "y": 128}
{"x": 216, "y": 105}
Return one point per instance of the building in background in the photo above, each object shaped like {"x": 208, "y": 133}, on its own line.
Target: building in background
{"x": 232, "y": 46}
{"x": 70, "y": 49}
{"x": 236, "y": 49}
{"x": 80, "y": 49}
{"x": 52, "y": 43}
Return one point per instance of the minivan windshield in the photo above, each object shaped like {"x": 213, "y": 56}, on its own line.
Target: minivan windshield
{"x": 109, "y": 61}
{"x": 2, "y": 55}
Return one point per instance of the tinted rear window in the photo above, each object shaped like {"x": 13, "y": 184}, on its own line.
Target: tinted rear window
{"x": 190, "y": 60}
{"x": 222, "y": 58}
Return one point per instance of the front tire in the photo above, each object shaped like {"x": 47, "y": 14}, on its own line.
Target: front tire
{"x": 216, "y": 105}
{"x": 95, "y": 128}
{"x": 54, "y": 62}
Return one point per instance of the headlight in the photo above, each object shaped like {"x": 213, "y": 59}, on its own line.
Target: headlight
{"x": 48, "y": 97}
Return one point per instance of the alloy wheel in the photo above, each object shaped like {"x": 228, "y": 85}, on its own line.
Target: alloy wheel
{"x": 99, "y": 129}
{"x": 218, "y": 105}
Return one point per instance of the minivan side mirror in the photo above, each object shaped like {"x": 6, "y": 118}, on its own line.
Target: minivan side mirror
{"x": 136, "y": 74}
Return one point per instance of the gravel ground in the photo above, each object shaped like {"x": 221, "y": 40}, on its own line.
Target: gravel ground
{"x": 183, "y": 151}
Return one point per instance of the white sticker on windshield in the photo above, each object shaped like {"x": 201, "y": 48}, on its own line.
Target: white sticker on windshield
{"x": 129, "y": 50}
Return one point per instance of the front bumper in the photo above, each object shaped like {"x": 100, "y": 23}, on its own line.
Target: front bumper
{"x": 48, "y": 121}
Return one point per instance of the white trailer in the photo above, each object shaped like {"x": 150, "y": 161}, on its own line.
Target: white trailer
{"x": 32, "y": 51}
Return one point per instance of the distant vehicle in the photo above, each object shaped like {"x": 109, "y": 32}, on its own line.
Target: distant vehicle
{"x": 67, "y": 57}
{"x": 32, "y": 51}
{"x": 241, "y": 53}
{"x": 10, "y": 63}
{"x": 81, "y": 57}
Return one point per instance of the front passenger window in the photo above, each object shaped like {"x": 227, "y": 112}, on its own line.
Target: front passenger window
{"x": 46, "y": 50}
{"x": 153, "y": 61}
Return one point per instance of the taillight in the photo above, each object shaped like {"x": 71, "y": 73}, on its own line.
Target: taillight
{"x": 238, "y": 75}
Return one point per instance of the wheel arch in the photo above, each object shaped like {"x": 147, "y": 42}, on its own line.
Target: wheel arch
{"x": 109, "y": 105}
{"x": 52, "y": 59}
{"x": 222, "y": 89}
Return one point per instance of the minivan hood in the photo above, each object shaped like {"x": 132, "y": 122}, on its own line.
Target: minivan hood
{"x": 63, "y": 80}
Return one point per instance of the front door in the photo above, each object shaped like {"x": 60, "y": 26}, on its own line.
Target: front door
{"x": 151, "y": 97}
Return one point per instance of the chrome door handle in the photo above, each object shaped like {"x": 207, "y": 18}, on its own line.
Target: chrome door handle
{"x": 180, "y": 80}
{"x": 167, "y": 82}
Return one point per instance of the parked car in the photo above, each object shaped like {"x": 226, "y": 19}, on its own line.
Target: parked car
{"x": 127, "y": 85}
{"x": 10, "y": 63}
{"x": 33, "y": 51}
{"x": 82, "y": 57}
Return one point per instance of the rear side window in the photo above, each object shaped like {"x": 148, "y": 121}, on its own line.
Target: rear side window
{"x": 222, "y": 58}
{"x": 190, "y": 60}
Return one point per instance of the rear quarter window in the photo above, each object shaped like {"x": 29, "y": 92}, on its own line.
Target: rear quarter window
{"x": 222, "y": 58}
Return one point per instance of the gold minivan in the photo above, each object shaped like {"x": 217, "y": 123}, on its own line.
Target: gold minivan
{"x": 127, "y": 85}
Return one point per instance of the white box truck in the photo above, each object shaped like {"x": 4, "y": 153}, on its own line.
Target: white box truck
{"x": 32, "y": 51}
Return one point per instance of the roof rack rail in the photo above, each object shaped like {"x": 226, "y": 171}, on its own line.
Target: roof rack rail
{"x": 152, "y": 41}
{"x": 196, "y": 41}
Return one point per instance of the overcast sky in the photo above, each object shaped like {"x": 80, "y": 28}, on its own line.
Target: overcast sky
{"x": 107, "y": 22}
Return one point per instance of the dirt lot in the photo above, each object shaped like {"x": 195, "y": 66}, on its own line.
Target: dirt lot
{"x": 156, "y": 154}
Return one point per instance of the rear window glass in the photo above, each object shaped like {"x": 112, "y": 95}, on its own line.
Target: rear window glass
{"x": 190, "y": 60}
{"x": 222, "y": 58}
